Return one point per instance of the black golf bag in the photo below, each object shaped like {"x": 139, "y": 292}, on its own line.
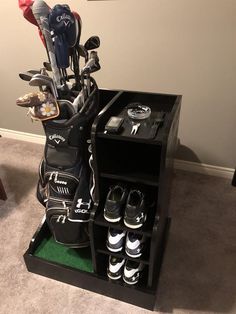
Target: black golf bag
{"x": 64, "y": 173}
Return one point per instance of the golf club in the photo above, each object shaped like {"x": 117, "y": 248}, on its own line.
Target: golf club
{"x": 42, "y": 80}
{"x": 92, "y": 43}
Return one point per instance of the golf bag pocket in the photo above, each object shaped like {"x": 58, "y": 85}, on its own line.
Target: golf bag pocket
{"x": 60, "y": 190}
{"x": 58, "y": 151}
{"x": 64, "y": 231}
{"x": 61, "y": 186}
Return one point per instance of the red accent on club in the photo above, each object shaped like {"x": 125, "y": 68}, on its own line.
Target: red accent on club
{"x": 25, "y": 6}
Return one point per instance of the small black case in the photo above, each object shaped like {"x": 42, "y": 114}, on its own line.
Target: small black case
{"x": 114, "y": 124}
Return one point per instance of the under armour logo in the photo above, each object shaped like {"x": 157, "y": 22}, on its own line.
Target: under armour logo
{"x": 84, "y": 205}
{"x": 140, "y": 217}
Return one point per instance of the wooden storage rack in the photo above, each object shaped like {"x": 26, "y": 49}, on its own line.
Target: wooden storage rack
{"x": 136, "y": 161}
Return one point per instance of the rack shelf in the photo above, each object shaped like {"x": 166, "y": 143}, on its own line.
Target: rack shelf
{"x": 132, "y": 177}
{"x": 156, "y": 141}
{"x": 144, "y": 258}
{"x": 146, "y": 229}
{"x": 139, "y": 161}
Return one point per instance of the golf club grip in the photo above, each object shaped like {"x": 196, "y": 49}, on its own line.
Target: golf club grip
{"x": 41, "y": 11}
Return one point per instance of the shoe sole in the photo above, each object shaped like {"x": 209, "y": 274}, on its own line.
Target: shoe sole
{"x": 130, "y": 283}
{"x": 114, "y": 250}
{"x": 135, "y": 226}
{"x": 112, "y": 219}
{"x": 134, "y": 256}
{"x": 114, "y": 278}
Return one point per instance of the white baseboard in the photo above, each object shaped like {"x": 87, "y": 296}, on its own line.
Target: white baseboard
{"x": 178, "y": 164}
{"x": 204, "y": 169}
{"x": 22, "y": 136}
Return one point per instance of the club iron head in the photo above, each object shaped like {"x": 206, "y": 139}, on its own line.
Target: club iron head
{"x": 26, "y": 76}
{"x": 43, "y": 80}
{"x": 91, "y": 66}
{"x": 47, "y": 66}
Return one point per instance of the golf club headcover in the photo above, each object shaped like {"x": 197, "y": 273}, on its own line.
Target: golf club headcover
{"x": 65, "y": 28}
{"x": 25, "y": 6}
{"x": 43, "y": 106}
{"x": 31, "y": 99}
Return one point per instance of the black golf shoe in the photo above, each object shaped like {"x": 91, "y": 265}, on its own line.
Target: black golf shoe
{"x": 115, "y": 268}
{"x": 132, "y": 272}
{"x": 134, "y": 244}
{"x": 115, "y": 201}
{"x": 115, "y": 240}
{"x": 135, "y": 211}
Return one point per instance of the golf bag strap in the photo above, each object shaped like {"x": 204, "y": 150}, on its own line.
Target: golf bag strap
{"x": 81, "y": 206}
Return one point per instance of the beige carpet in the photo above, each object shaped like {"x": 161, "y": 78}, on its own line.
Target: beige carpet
{"x": 199, "y": 270}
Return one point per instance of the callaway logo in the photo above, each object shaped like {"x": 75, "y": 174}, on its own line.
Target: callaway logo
{"x": 63, "y": 18}
{"x": 57, "y": 138}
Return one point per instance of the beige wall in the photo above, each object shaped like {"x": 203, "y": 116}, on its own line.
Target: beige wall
{"x": 186, "y": 47}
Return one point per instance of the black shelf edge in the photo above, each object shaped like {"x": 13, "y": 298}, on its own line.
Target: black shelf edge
{"x": 139, "y": 295}
{"x": 137, "y": 139}
{"x": 133, "y": 178}
{"x": 143, "y": 258}
{"x": 134, "y": 295}
{"x": 146, "y": 229}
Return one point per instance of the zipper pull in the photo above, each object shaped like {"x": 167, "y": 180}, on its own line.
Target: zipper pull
{"x": 56, "y": 175}
{"x": 51, "y": 175}
{"x": 59, "y": 217}
{"x": 64, "y": 204}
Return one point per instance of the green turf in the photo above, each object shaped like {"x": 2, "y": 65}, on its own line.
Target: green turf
{"x": 55, "y": 252}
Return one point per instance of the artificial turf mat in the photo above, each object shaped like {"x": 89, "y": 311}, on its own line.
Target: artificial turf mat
{"x": 55, "y": 252}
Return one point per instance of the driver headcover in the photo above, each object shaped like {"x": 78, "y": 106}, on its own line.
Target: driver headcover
{"x": 65, "y": 27}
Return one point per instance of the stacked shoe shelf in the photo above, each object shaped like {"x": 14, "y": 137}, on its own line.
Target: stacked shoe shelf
{"x": 137, "y": 162}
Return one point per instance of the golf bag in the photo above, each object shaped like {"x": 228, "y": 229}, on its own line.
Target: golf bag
{"x": 64, "y": 172}
{"x": 67, "y": 110}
